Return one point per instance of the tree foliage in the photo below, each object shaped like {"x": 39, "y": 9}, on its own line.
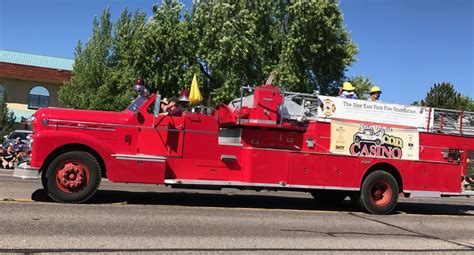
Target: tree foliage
{"x": 89, "y": 84}
{"x": 443, "y": 95}
{"x": 304, "y": 41}
{"x": 362, "y": 86}
{"x": 168, "y": 49}
{"x": 467, "y": 103}
{"x": 6, "y": 117}
{"x": 226, "y": 43}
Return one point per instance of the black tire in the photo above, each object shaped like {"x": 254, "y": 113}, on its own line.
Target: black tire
{"x": 44, "y": 181}
{"x": 379, "y": 193}
{"x": 378, "y": 141}
{"x": 329, "y": 196}
{"x": 56, "y": 186}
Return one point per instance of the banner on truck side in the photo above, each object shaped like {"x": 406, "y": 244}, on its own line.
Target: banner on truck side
{"x": 374, "y": 140}
{"x": 350, "y": 109}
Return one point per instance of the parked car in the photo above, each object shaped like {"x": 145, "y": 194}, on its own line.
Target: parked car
{"x": 23, "y": 134}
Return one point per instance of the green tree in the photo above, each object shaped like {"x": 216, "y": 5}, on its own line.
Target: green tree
{"x": 226, "y": 34}
{"x": 168, "y": 49}
{"x": 91, "y": 70}
{"x": 127, "y": 59}
{"x": 443, "y": 95}
{"x": 362, "y": 86}
{"x": 305, "y": 42}
{"x": 467, "y": 103}
{"x": 119, "y": 53}
{"x": 317, "y": 48}
{"x": 6, "y": 117}
{"x": 226, "y": 43}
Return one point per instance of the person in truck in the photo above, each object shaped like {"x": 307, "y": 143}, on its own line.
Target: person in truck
{"x": 347, "y": 91}
{"x": 171, "y": 108}
{"x": 374, "y": 93}
{"x": 164, "y": 105}
{"x": 9, "y": 158}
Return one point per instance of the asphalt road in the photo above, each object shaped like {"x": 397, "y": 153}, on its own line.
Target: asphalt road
{"x": 133, "y": 218}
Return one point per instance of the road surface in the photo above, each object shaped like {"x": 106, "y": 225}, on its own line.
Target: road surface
{"x": 129, "y": 218}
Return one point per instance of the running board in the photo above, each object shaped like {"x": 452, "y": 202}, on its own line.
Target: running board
{"x": 282, "y": 184}
{"x": 436, "y": 194}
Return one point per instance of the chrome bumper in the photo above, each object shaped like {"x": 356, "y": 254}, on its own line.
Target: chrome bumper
{"x": 25, "y": 171}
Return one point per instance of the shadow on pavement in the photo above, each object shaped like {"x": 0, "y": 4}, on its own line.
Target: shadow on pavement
{"x": 256, "y": 200}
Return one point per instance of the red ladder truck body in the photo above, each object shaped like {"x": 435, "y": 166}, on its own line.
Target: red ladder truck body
{"x": 328, "y": 146}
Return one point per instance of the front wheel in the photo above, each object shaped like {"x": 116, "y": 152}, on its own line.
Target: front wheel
{"x": 379, "y": 193}
{"x": 73, "y": 177}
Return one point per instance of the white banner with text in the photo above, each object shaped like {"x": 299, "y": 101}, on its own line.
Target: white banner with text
{"x": 359, "y": 110}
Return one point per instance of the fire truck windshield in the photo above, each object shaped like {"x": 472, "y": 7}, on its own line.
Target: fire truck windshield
{"x": 136, "y": 103}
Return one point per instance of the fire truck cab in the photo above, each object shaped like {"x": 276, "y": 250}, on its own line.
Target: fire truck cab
{"x": 270, "y": 139}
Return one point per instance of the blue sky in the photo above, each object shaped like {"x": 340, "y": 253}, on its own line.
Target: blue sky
{"x": 405, "y": 46}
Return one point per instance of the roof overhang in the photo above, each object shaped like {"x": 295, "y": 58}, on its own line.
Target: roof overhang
{"x": 33, "y": 73}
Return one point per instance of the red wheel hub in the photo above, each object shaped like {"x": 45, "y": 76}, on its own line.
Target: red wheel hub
{"x": 381, "y": 193}
{"x": 72, "y": 176}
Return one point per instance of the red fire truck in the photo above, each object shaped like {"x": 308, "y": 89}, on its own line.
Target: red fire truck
{"x": 267, "y": 140}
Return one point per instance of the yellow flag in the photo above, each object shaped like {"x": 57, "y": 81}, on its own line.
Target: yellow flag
{"x": 195, "y": 96}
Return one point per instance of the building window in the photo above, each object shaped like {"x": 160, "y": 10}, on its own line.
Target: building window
{"x": 2, "y": 91}
{"x": 38, "y": 97}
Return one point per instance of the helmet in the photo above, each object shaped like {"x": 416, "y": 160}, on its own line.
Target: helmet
{"x": 347, "y": 86}
{"x": 375, "y": 89}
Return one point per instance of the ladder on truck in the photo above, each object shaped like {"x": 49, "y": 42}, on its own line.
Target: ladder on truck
{"x": 452, "y": 122}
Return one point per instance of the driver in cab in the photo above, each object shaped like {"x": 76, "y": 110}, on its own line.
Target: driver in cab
{"x": 170, "y": 107}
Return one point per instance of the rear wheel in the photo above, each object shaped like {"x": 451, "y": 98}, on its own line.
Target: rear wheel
{"x": 73, "y": 177}
{"x": 379, "y": 193}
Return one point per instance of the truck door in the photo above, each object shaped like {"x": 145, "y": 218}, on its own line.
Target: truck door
{"x": 299, "y": 168}
{"x": 336, "y": 171}
{"x": 164, "y": 139}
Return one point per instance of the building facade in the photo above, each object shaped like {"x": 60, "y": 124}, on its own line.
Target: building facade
{"x": 31, "y": 81}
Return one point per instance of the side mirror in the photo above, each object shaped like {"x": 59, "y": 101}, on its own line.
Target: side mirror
{"x": 156, "y": 109}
